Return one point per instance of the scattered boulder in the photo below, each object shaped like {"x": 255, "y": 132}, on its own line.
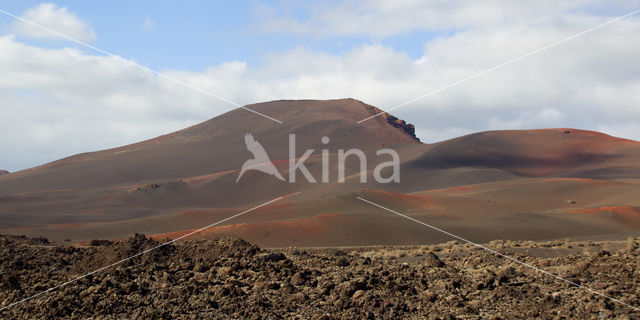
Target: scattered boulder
{"x": 299, "y": 278}
{"x": 98, "y": 243}
{"x": 508, "y": 273}
{"x": 270, "y": 257}
{"x": 342, "y": 262}
{"x": 163, "y": 185}
{"x": 349, "y": 288}
{"x": 432, "y": 260}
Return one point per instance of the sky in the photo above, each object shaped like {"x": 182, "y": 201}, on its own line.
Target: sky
{"x": 59, "y": 98}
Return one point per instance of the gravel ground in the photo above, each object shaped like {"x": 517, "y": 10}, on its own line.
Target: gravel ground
{"x": 231, "y": 278}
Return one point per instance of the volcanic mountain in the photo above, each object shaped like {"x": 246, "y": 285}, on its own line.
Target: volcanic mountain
{"x": 528, "y": 184}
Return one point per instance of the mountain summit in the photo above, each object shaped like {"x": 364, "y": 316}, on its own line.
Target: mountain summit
{"x": 218, "y": 145}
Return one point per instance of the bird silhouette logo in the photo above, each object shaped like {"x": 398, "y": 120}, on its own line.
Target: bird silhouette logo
{"x": 260, "y": 160}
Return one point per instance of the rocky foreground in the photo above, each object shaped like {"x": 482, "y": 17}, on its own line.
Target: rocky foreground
{"x": 230, "y": 278}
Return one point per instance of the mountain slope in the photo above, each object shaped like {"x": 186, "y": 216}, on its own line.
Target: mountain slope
{"x": 519, "y": 184}
{"x": 218, "y": 145}
{"x": 564, "y": 152}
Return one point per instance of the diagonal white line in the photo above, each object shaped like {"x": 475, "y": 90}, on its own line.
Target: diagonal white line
{"x": 136, "y": 255}
{"x": 159, "y": 74}
{"x": 502, "y": 65}
{"x": 502, "y": 255}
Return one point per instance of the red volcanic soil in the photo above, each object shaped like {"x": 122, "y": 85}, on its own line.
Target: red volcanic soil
{"x": 271, "y": 232}
{"x": 457, "y": 189}
{"x": 200, "y": 180}
{"x": 626, "y": 211}
{"x": 623, "y": 214}
{"x": 69, "y": 225}
{"x": 407, "y": 200}
{"x": 195, "y": 212}
{"x": 599, "y": 135}
{"x": 584, "y": 181}
{"x": 567, "y": 152}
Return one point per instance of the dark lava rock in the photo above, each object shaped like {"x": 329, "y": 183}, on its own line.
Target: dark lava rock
{"x": 229, "y": 278}
{"x": 299, "y": 278}
{"x": 270, "y": 257}
{"x": 97, "y": 243}
{"x": 342, "y": 262}
{"x": 432, "y": 260}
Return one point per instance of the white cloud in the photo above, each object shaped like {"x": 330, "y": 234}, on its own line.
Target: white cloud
{"x": 382, "y": 18}
{"x": 148, "y": 25}
{"x": 56, "y": 18}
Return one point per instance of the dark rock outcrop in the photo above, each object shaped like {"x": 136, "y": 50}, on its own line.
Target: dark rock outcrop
{"x": 408, "y": 128}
